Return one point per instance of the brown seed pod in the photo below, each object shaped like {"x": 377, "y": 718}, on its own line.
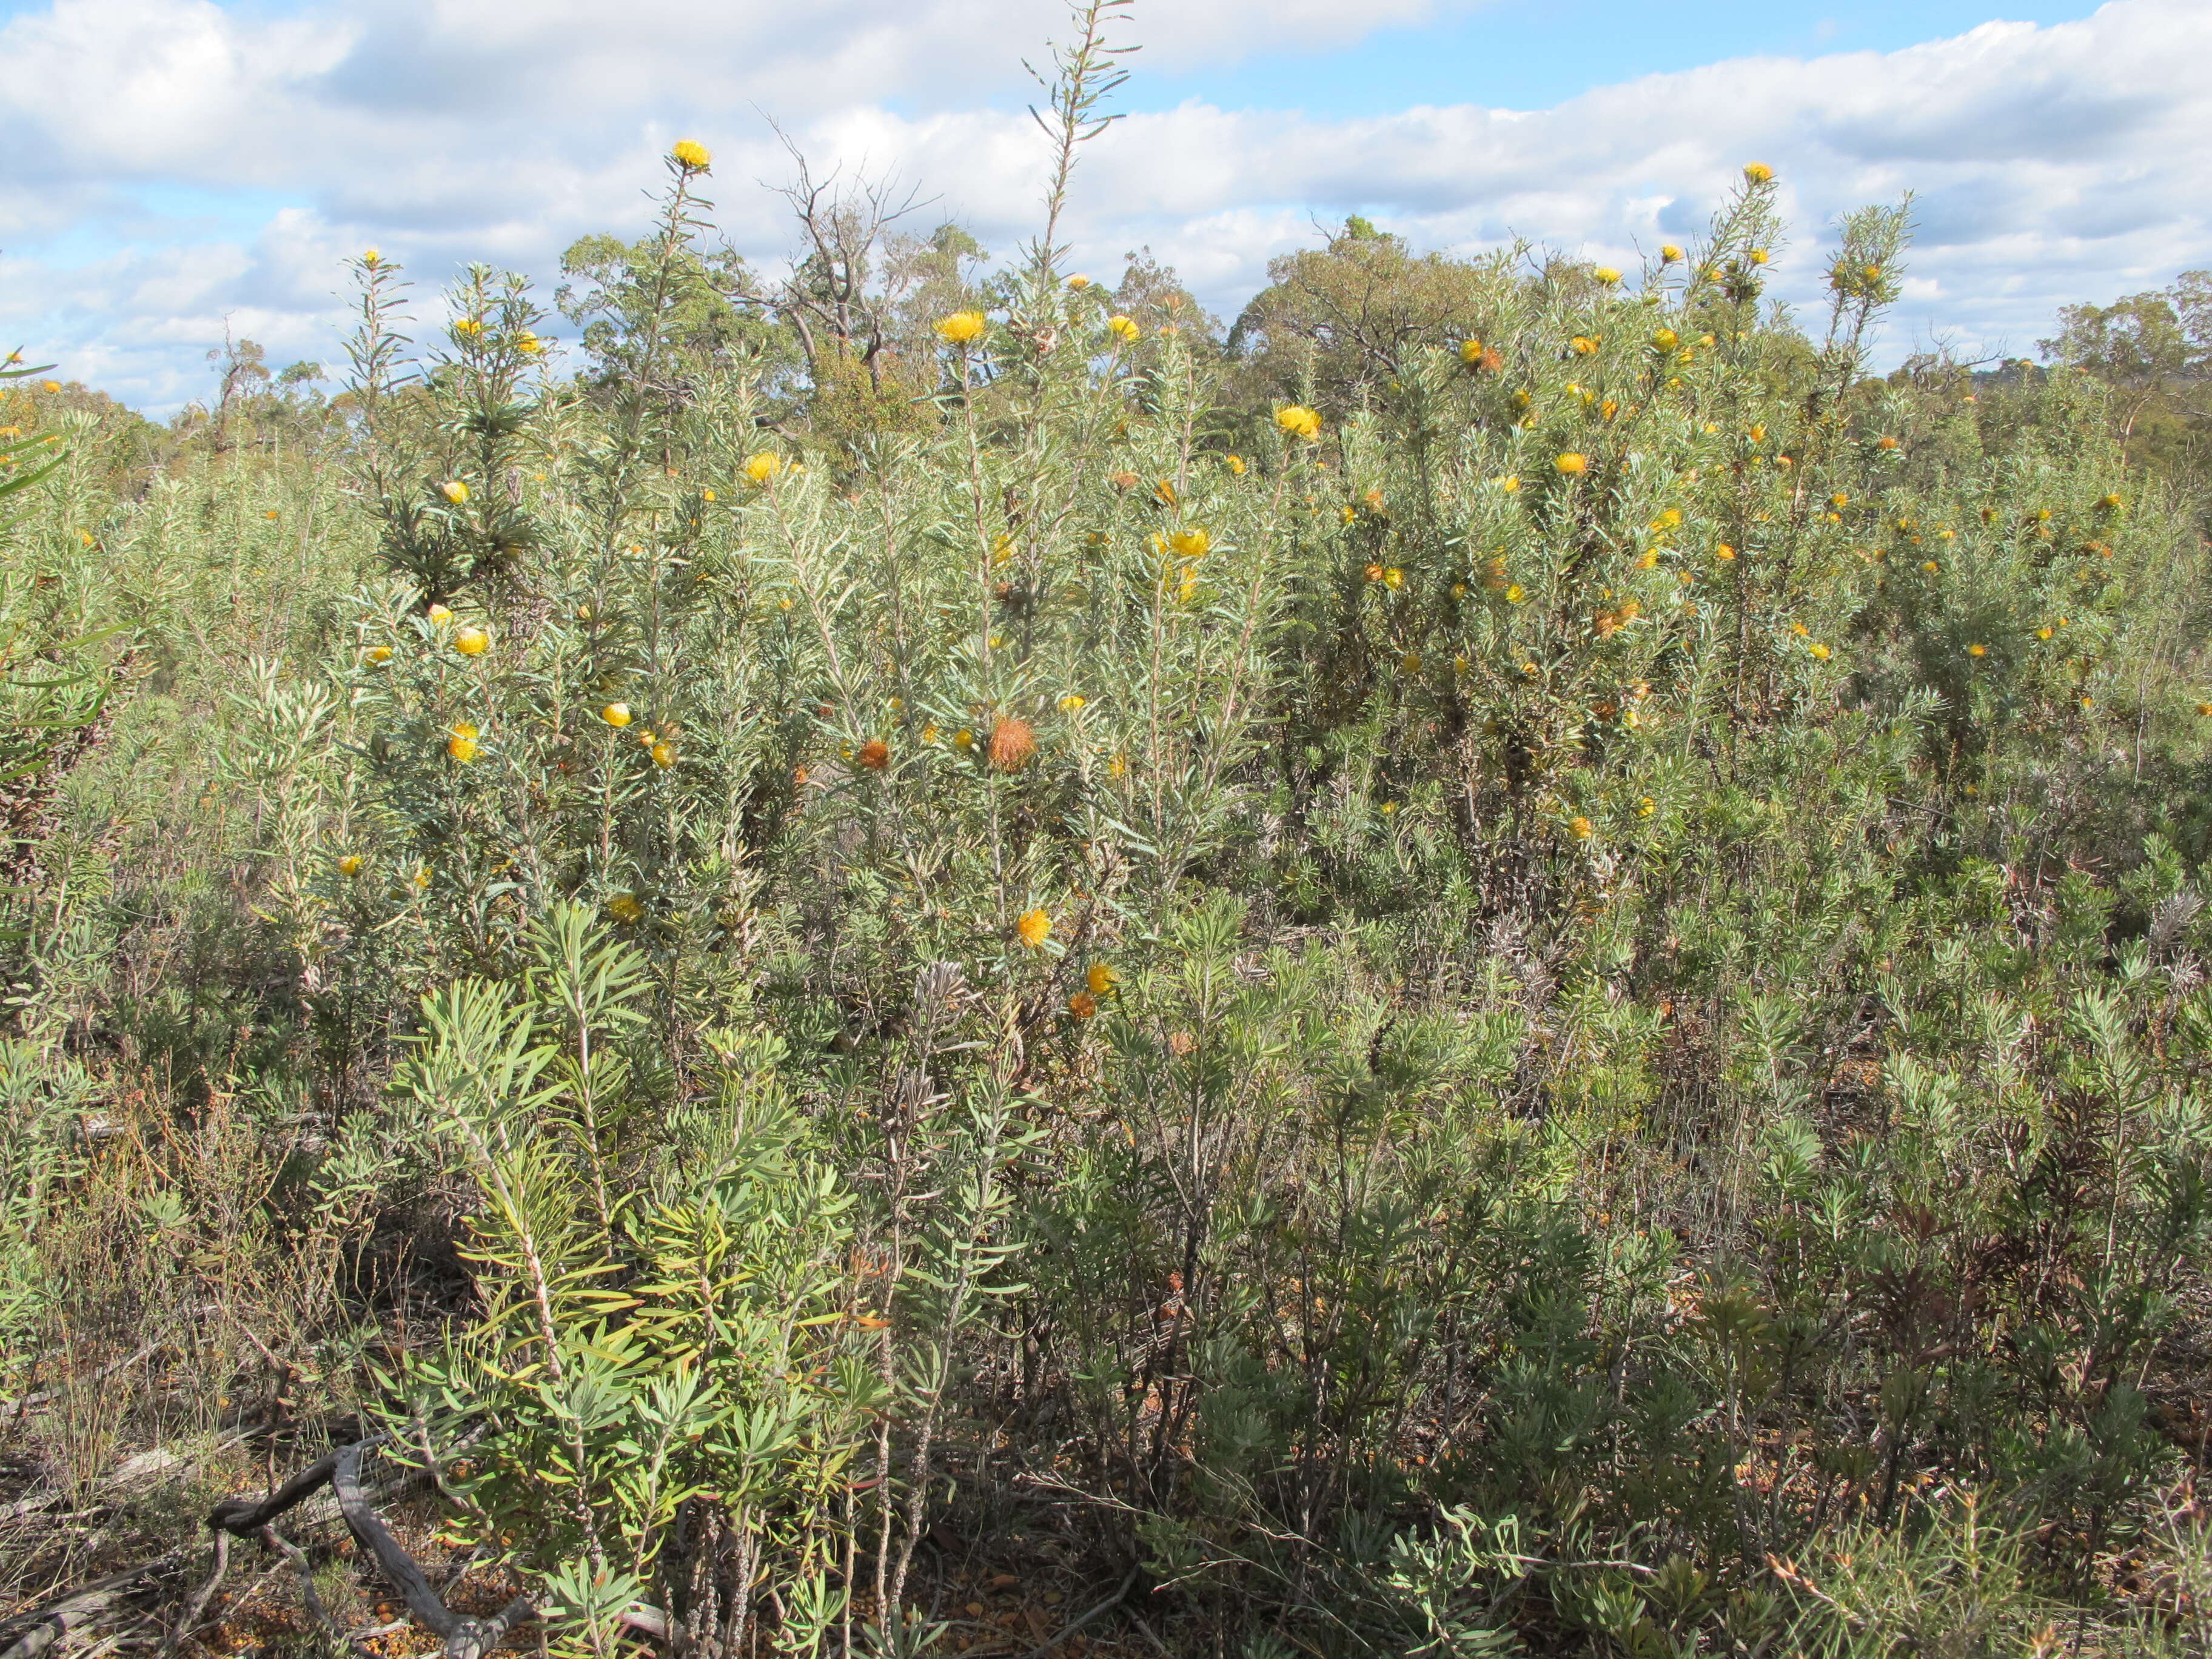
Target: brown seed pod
{"x": 1012, "y": 743}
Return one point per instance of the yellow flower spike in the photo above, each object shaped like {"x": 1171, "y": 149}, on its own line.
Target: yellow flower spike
{"x": 1572, "y": 465}
{"x": 1035, "y": 927}
{"x": 1234, "y": 464}
{"x": 370, "y": 256}
{"x": 1930, "y": 565}
{"x": 615, "y": 714}
{"x": 462, "y": 744}
{"x": 1191, "y": 543}
{"x": 1583, "y": 345}
{"x": 439, "y": 615}
{"x": 964, "y": 738}
{"x": 1758, "y": 258}
{"x": 528, "y": 343}
{"x": 472, "y": 641}
{"x": 1079, "y": 282}
{"x": 706, "y": 495}
{"x": 422, "y": 876}
{"x": 1758, "y": 173}
{"x": 2044, "y": 632}
{"x": 1666, "y": 339}
{"x": 962, "y": 327}
{"x": 2204, "y": 709}
{"x": 1579, "y": 828}
{"x": 1394, "y": 578}
{"x": 1646, "y": 807}
{"x": 1819, "y": 652}
{"x": 1840, "y": 501}
{"x": 624, "y": 908}
{"x": 349, "y": 864}
{"x": 1470, "y": 351}
{"x": 454, "y": 491}
{"x": 1101, "y": 978}
{"x": 1649, "y": 560}
{"x": 1977, "y": 651}
{"x": 1513, "y": 594}
{"x": 664, "y": 754}
{"x": 378, "y": 653}
{"x": 1411, "y": 662}
{"x": 692, "y": 155}
{"x": 762, "y": 466}
{"x": 1122, "y": 328}
{"x": 1724, "y": 552}
{"x": 1299, "y": 420}
{"x": 1509, "y": 482}
{"x": 1606, "y": 275}
{"x": 1669, "y": 254}
{"x": 1072, "y": 703}
{"x": 1117, "y": 766}
{"x": 50, "y": 385}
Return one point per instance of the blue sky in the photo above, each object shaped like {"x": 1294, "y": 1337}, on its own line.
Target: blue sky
{"x": 182, "y": 167}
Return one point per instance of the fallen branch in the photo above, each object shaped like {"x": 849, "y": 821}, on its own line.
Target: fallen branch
{"x": 248, "y": 1517}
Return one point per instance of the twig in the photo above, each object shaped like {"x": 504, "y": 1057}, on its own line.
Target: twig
{"x": 298, "y": 1558}
{"x": 1107, "y": 1606}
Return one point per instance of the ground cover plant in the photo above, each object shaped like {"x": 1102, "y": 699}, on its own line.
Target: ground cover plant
{"x": 929, "y": 962}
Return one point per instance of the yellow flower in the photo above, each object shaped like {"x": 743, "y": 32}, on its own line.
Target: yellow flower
{"x": 2044, "y": 632}
{"x": 1930, "y": 565}
{"x": 706, "y": 495}
{"x": 624, "y": 906}
{"x": 528, "y": 343}
{"x": 349, "y": 864}
{"x": 692, "y": 155}
{"x": 1650, "y": 560}
{"x": 1758, "y": 256}
{"x": 439, "y": 615}
{"x": 1191, "y": 543}
{"x": 1079, "y": 282}
{"x": 1035, "y": 927}
{"x": 1579, "y": 828}
{"x": 370, "y": 256}
{"x": 2205, "y": 709}
{"x": 1123, "y": 327}
{"x": 1234, "y": 464}
{"x": 2088, "y": 702}
{"x": 1668, "y": 253}
{"x": 1977, "y": 651}
{"x": 2109, "y": 501}
{"x": 1394, "y": 578}
{"x": 1572, "y": 465}
{"x": 1117, "y": 766}
{"x": 962, "y": 327}
{"x": 378, "y": 653}
{"x": 1411, "y": 662}
{"x": 50, "y": 385}
{"x": 1724, "y": 552}
{"x": 1470, "y": 351}
{"x": 1666, "y": 339}
{"x": 1515, "y": 593}
{"x": 422, "y": 876}
{"x": 615, "y": 714}
{"x": 1101, "y": 978}
{"x": 1758, "y": 173}
{"x": 472, "y": 641}
{"x": 467, "y": 327}
{"x": 664, "y": 754}
{"x": 462, "y": 744}
{"x": 1072, "y": 703}
{"x": 1819, "y": 652}
{"x": 1646, "y": 807}
{"x": 454, "y": 491}
{"x": 1583, "y": 345}
{"x": 1299, "y": 420}
{"x": 1509, "y": 482}
{"x": 761, "y": 467}
{"x": 1390, "y": 809}
{"x": 1840, "y": 501}
{"x": 1606, "y": 275}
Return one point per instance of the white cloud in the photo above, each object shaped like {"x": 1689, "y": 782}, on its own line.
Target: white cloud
{"x": 2049, "y": 163}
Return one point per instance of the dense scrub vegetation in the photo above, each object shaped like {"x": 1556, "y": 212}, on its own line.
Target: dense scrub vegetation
{"x": 1514, "y": 963}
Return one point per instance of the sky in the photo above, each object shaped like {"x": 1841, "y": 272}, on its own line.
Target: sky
{"x": 182, "y": 169}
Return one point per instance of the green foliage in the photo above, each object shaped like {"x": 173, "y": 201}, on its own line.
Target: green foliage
{"x": 1516, "y": 965}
